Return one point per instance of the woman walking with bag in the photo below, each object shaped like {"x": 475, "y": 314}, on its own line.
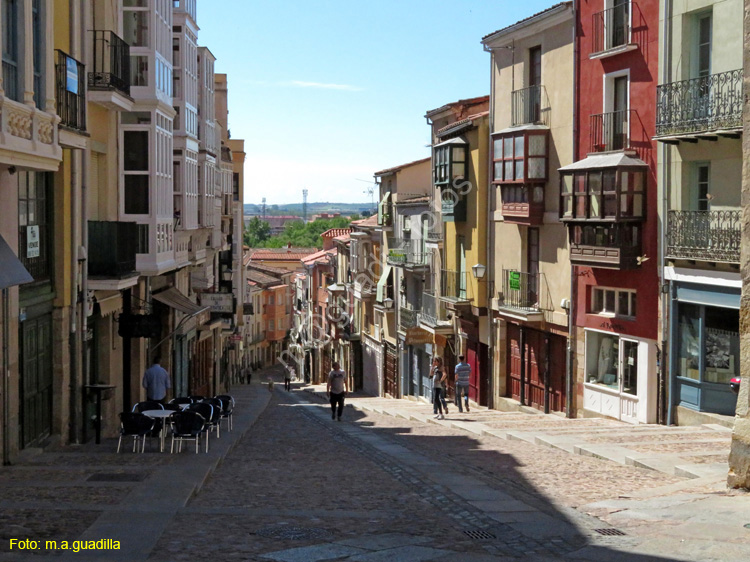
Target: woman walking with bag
{"x": 439, "y": 380}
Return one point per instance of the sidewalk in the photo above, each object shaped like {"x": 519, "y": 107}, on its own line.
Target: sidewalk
{"x": 686, "y": 451}
{"x": 89, "y": 492}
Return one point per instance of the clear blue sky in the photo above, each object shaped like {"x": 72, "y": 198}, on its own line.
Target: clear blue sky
{"x": 327, "y": 92}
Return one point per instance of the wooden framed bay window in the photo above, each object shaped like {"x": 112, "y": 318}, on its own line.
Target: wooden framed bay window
{"x": 449, "y": 161}
{"x": 609, "y": 194}
{"x": 450, "y": 172}
{"x": 520, "y": 169}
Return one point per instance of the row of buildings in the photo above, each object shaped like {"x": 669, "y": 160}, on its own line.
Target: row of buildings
{"x": 120, "y": 214}
{"x": 575, "y": 234}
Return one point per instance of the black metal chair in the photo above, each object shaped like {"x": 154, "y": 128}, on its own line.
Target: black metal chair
{"x": 181, "y": 400}
{"x": 215, "y": 421}
{"x": 206, "y": 411}
{"x": 196, "y": 398}
{"x": 172, "y": 407}
{"x": 147, "y": 405}
{"x": 136, "y": 425}
{"x": 227, "y": 407}
{"x": 151, "y": 405}
{"x": 187, "y": 426}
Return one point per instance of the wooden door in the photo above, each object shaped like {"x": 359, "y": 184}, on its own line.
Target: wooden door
{"x": 390, "y": 379}
{"x": 36, "y": 380}
{"x": 473, "y": 359}
{"x": 544, "y": 354}
{"x": 557, "y": 361}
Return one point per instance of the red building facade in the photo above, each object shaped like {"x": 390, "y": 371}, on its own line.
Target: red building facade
{"x": 609, "y": 205}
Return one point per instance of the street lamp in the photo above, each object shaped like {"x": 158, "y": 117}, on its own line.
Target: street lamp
{"x": 478, "y": 270}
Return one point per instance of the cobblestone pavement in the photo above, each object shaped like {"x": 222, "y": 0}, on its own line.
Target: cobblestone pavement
{"x": 290, "y": 484}
{"x": 301, "y": 486}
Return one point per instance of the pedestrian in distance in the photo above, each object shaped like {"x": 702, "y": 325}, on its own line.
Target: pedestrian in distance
{"x": 288, "y": 379}
{"x": 462, "y": 376}
{"x": 156, "y": 382}
{"x": 439, "y": 380}
{"x": 336, "y": 391}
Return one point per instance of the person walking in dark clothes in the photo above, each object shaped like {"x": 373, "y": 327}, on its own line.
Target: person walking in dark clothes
{"x": 336, "y": 390}
{"x": 439, "y": 381}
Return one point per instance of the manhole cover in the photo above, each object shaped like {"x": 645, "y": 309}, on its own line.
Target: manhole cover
{"x": 610, "y": 532}
{"x": 116, "y": 477}
{"x": 479, "y": 535}
{"x": 290, "y": 532}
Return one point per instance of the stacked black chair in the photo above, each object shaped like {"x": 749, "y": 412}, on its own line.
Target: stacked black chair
{"x": 216, "y": 415}
{"x": 206, "y": 411}
{"x": 187, "y": 426}
{"x": 227, "y": 407}
{"x": 136, "y": 425}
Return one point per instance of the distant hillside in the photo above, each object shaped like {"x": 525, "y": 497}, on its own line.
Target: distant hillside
{"x": 312, "y": 209}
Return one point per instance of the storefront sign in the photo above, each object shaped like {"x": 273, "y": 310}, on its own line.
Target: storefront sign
{"x": 514, "y": 280}
{"x": 418, "y": 336}
{"x": 32, "y": 241}
{"x": 219, "y": 302}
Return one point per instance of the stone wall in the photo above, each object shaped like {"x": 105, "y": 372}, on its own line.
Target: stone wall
{"x": 739, "y": 457}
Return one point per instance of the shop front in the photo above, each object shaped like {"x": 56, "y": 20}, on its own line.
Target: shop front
{"x": 705, "y": 346}
{"x": 620, "y": 376}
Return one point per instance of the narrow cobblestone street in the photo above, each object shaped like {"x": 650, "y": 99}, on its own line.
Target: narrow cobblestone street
{"x": 290, "y": 484}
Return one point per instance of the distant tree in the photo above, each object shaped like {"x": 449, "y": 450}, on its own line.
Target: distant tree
{"x": 257, "y": 233}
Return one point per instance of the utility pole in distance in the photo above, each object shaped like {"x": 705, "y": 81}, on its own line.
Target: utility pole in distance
{"x": 304, "y": 205}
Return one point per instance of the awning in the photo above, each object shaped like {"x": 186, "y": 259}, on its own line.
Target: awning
{"x": 174, "y": 299}
{"x": 454, "y": 141}
{"x": 382, "y": 206}
{"x": 598, "y": 161}
{"x": 12, "y": 271}
{"x": 382, "y": 282}
{"x": 109, "y": 302}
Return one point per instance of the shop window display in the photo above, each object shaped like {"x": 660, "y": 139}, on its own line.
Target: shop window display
{"x": 709, "y": 343}
{"x": 612, "y": 362}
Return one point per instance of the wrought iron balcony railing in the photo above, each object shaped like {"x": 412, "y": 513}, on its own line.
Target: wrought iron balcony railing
{"x": 610, "y": 131}
{"x": 71, "y": 92}
{"x": 528, "y": 106}
{"x": 406, "y": 252}
{"x": 520, "y": 290}
{"x": 407, "y": 318}
{"x": 704, "y": 235}
{"x": 433, "y": 312}
{"x": 612, "y": 28}
{"x": 435, "y": 234}
{"x": 700, "y": 104}
{"x": 111, "y": 63}
{"x": 455, "y": 285}
{"x": 112, "y": 248}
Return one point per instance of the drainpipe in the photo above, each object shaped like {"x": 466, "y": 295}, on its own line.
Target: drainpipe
{"x": 6, "y": 376}
{"x": 570, "y": 360}
{"x": 522, "y": 345}
{"x": 490, "y": 245}
{"x": 665, "y": 378}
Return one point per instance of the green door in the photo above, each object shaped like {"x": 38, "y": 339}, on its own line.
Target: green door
{"x": 36, "y": 380}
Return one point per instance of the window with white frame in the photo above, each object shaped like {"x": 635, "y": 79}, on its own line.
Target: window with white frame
{"x": 613, "y": 302}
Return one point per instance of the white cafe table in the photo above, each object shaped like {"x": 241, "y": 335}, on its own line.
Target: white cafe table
{"x": 162, "y": 415}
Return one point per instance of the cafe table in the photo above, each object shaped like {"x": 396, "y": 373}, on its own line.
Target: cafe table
{"x": 160, "y": 415}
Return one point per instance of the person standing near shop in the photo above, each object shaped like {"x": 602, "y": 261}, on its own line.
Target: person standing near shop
{"x": 439, "y": 380}
{"x": 336, "y": 390}
{"x": 463, "y": 374}
{"x": 156, "y": 382}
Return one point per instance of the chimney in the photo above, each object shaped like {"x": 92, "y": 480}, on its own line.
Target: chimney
{"x": 288, "y": 247}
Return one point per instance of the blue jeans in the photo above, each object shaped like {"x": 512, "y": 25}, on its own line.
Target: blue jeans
{"x": 462, "y": 388}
